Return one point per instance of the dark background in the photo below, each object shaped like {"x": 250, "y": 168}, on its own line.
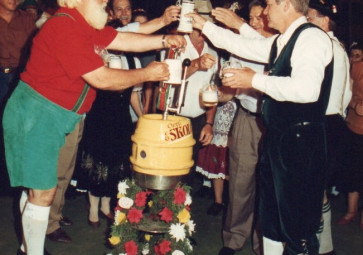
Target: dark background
{"x": 350, "y": 21}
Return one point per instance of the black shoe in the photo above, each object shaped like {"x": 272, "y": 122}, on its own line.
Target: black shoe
{"x": 59, "y": 236}
{"x": 215, "y": 209}
{"x": 20, "y": 252}
{"x": 110, "y": 216}
{"x": 65, "y": 222}
{"x": 226, "y": 251}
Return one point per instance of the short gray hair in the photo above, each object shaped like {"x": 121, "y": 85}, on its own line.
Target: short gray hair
{"x": 301, "y": 6}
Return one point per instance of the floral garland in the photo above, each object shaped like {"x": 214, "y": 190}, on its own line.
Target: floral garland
{"x": 170, "y": 208}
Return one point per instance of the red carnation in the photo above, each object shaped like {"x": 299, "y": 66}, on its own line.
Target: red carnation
{"x": 163, "y": 247}
{"x": 131, "y": 248}
{"x": 134, "y": 215}
{"x": 179, "y": 196}
{"x": 140, "y": 199}
{"x": 166, "y": 215}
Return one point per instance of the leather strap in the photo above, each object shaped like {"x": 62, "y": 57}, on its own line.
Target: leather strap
{"x": 85, "y": 89}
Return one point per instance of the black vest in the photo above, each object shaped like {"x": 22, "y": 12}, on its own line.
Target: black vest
{"x": 281, "y": 115}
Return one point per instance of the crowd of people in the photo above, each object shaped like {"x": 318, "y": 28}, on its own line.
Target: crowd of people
{"x": 288, "y": 126}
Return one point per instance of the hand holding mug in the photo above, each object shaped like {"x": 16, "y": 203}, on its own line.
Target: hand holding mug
{"x": 227, "y": 67}
{"x": 157, "y": 71}
{"x": 238, "y": 78}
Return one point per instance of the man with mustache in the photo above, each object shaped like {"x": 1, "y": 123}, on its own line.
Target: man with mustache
{"x": 56, "y": 90}
{"x": 296, "y": 92}
{"x": 122, "y": 10}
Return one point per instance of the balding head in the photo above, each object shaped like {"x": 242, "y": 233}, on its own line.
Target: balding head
{"x": 122, "y": 10}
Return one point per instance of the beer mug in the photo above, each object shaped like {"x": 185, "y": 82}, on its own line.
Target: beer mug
{"x": 185, "y": 23}
{"x": 175, "y": 70}
{"x": 114, "y": 61}
{"x": 229, "y": 64}
{"x": 210, "y": 95}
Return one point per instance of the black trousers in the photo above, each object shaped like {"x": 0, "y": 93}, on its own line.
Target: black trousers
{"x": 293, "y": 169}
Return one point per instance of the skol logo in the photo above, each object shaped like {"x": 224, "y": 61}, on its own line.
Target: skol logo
{"x": 177, "y": 131}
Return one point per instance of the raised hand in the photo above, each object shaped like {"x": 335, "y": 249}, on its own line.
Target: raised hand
{"x": 175, "y": 40}
{"x": 172, "y": 13}
{"x": 197, "y": 20}
{"x": 228, "y": 18}
{"x": 205, "y": 61}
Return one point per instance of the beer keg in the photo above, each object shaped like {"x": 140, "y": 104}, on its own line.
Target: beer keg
{"x": 161, "y": 151}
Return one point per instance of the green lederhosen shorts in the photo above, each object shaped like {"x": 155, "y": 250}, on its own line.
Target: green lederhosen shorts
{"x": 34, "y": 131}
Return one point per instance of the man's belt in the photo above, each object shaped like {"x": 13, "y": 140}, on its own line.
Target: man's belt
{"x": 7, "y": 69}
{"x": 255, "y": 114}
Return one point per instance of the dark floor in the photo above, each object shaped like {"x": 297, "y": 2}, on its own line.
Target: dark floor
{"x": 348, "y": 240}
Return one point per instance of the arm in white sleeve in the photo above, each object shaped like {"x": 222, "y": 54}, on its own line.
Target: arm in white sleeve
{"x": 247, "y": 31}
{"x": 131, "y": 27}
{"x": 255, "y": 49}
{"x": 311, "y": 54}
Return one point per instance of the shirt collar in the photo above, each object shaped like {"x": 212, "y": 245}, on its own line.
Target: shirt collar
{"x": 189, "y": 42}
{"x": 285, "y": 37}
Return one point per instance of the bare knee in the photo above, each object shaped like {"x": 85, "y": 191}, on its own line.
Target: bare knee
{"x": 41, "y": 197}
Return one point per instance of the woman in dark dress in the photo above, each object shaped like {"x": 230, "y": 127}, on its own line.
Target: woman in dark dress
{"x": 106, "y": 148}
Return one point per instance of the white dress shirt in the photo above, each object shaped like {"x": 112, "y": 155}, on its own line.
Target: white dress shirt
{"x": 311, "y": 54}
{"x": 341, "y": 91}
{"x": 250, "y": 99}
{"x": 131, "y": 27}
{"x": 192, "y": 107}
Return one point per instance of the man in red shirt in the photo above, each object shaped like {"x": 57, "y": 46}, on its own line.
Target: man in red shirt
{"x": 53, "y": 94}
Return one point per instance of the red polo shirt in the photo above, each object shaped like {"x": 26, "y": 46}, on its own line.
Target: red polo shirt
{"x": 62, "y": 52}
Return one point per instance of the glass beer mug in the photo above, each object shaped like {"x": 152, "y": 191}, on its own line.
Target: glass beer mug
{"x": 209, "y": 95}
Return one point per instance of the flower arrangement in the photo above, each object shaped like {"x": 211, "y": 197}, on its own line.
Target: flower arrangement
{"x": 170, "y": 209}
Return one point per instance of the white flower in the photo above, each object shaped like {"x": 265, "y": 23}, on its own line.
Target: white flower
{"x": 146, "y": 250}
{"x": 191, "y": 226}
{"x": 177, "y": 252}
{"x": 188, "y": 200}
{"x": 125, "y": 202}
{"x": 177, "y": 231}
{"x": 117, "y": 214}
{"x": 122, "y": 187}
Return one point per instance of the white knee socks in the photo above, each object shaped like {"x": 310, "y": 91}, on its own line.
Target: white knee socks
{"x": 105, "y": 205}
{"x": 35, "y": 222}
{"x": 271, "y": 247}
{"x": 325, "y": 237}
{"x": 23, "y": 200}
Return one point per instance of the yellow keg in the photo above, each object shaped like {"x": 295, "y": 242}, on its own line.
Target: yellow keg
{"x": 161, "y": 151}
